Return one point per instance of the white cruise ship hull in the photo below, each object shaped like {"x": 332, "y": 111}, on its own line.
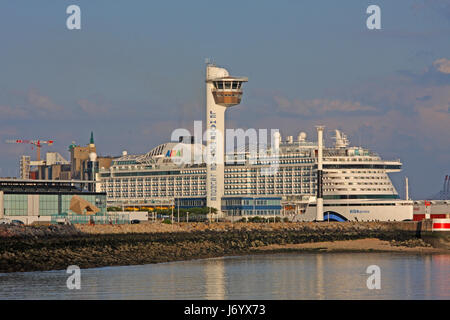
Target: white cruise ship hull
{"x": 394, "y": 210}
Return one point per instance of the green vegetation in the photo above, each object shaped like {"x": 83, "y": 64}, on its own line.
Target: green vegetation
{"x": 114, "y": 209}
{"x": 165, "y": 212}
{"x": 258, "y": 219}
{"x": 183, "y": 212}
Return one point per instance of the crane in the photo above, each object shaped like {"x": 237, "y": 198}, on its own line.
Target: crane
{"x": 37, "y": 143}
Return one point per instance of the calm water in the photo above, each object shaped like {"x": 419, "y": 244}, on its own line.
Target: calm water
{"x": 272, "y": 276}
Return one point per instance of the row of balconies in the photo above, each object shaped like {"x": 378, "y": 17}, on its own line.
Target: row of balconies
{"x": 357, "y": 189}
{"x": 231, "y": 176}
{"x": 160, "y": 195}
{"x": 297, "y": 186}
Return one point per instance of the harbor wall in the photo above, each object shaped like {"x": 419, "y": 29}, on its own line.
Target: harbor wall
{"x": 438, "y": 239}
{"x": 24, "y": 248}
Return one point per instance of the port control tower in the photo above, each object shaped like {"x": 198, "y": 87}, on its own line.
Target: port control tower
{"x": 222, "y": 92}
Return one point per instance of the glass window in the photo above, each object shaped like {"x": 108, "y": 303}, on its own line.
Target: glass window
{"x": 48, "y": 204}
{"x": 15, "y": 204}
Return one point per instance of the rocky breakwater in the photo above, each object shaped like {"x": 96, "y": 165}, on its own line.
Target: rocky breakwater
{"x": 57, "y": 247}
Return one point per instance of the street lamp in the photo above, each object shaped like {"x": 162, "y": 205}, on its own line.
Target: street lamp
{"x": 172, "y": 213}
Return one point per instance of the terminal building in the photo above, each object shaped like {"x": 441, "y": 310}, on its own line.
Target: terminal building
{"x": 49, "y": 201}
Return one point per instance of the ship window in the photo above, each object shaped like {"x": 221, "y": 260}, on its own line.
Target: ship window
{"x": 227, "y": 85}
{"x": 219, "y": 85}
{"x": 234, "y": 85}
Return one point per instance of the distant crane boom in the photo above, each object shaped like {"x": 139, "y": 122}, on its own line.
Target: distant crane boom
{"x": 37, "y": 143}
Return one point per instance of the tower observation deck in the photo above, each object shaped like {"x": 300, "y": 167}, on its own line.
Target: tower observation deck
{"x": 227, "y": 91}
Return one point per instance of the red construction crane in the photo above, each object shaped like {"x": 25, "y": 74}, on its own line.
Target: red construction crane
{"x": 37, "y": 143}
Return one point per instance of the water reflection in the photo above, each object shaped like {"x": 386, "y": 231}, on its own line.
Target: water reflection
{"x": 440, "y": 266}
{"x": 215, "y": 279}
{"x": 276, "y": 276}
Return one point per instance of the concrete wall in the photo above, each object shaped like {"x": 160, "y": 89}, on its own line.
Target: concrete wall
{"x": 134, "y": 215}
{"x": 31, "y": 219}
{"x": 140, "y": 215}
{"x": 33, "y": 205}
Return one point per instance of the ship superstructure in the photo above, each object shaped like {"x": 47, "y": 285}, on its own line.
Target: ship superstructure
{"x": 356, "y": 185}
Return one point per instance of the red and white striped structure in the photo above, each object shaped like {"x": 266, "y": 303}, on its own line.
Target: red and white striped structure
{"x": 431, "y": 209}
{"x": 441, "y": 225}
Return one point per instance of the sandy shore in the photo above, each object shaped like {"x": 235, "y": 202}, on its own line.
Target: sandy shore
{"x": 359, "y": 245}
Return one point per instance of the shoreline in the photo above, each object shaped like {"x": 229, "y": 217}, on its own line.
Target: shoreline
{"x": 25, "y": 249}
{"x": 332, "y": 247}
{"x": 367, "y": 245}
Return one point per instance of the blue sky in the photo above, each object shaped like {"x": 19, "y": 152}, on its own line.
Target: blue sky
{"x": 135, "y": 72}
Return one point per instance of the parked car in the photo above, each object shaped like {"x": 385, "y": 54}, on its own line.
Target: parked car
{"x": 17, "y": 222}
{"x": 5, "y": 221}
{"x": 135, "y": 221}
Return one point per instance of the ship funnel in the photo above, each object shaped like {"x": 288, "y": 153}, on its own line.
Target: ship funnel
{"x": 276, "y": 141}
{"x": 341, "y": 139}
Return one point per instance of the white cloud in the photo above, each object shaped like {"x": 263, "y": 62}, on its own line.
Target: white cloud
{"x": 8, "y": 112}
{"x": 42, "y": 103}
{"x": 319, "y": 106}
{"x": 32, "y": 105}
{"x": 442, "y": 65}
{"x": 92, "y": 107}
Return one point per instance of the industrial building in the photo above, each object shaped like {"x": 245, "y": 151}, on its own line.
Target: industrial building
{"x": 80, "y": 158}
{"x": 55, "y": 167}
{"x": 49, "y": 201}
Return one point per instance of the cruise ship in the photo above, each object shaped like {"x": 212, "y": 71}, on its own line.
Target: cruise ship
{"x": 292, "y": 179}
{"x": 356, "y": 184}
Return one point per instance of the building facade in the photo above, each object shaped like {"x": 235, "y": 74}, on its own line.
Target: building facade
{"x": 43, "y": 201}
